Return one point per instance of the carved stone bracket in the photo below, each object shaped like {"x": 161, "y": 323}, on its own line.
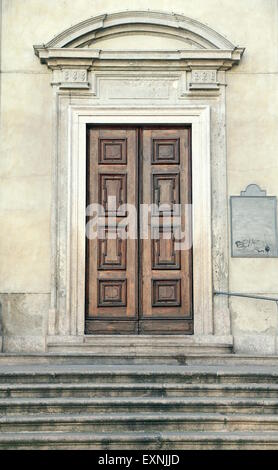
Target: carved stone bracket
{"x": 70, "y": 78}
{"x": 74, "y": 78}
{"x": 203, "y": 80}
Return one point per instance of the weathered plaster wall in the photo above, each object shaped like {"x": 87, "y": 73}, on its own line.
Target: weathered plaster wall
{"x": 26, "y": 139}
{"x": 252, "y": 140}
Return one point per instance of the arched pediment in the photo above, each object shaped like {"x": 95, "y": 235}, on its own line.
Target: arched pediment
{"x": 189, "y": 32}
{"x": 178, "y": 30}
{"x": 139, "y": 39}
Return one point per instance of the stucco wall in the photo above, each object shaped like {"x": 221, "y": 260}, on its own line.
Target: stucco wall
{"x": 25, "y": 165}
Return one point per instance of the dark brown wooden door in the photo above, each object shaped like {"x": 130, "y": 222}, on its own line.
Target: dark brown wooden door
{"x": 132, "y": 285}
{"x": 166, "y": 271}
{"x": 112, "y": 269}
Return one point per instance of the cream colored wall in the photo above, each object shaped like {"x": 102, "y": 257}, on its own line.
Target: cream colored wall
{"x": 25, "y": 165}
{"x": 252, "y": 142}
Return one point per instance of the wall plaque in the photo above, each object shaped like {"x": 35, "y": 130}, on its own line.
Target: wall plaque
{"x": 254, "y": 224}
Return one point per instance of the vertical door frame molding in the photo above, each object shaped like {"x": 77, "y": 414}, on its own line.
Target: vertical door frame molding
{"x": 173, "y": 86}
{"x": 199, "y": 118}
{"x": 67, "y": 327}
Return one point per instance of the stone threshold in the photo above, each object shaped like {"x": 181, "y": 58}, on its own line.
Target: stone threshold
{"x": 141, "y": 345}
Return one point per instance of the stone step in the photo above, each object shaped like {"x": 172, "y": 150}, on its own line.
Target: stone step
{"x": 138, "y": 422}
{"x": 162, "y": 440}
{"x": 156, "y": 356}
{"x": 137, "y": 374}
{"x": 116, "y": 406}
{"x": 91, "y": 390}
{"x": 142, "y": 404}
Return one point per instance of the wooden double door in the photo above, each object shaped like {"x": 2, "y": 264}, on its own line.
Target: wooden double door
{"x": 139, "y": 284}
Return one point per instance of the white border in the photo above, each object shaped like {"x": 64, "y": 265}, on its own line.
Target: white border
{"x": 199, "y": 118}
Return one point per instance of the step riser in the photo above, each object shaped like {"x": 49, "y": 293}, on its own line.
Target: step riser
{"x": 134, "y": 408}
{"x": 141, "y": 427}
{"x": 158, "y": 445}
{"x": 136, "y": 393}
{"x": 135, "y": 379}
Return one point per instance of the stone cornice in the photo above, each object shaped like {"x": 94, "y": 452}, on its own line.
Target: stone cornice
{"x": 45, "y": 54}
{"x": 218, "y": 59}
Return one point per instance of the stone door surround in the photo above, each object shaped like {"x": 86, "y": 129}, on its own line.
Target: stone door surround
{"x": 175, "y": 85}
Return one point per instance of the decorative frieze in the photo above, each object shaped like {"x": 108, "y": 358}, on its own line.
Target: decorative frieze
{"x": 148, "y": 88}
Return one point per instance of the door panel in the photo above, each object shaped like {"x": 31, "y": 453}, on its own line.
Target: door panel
{"x": 164, "y": 254}
{"x": 112, "y": 270}
{"x": 166, "y": 272}
{"x": 142, "y": 286}
{"x": 165, "y": 191}
{"x": 112, "y": 251}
